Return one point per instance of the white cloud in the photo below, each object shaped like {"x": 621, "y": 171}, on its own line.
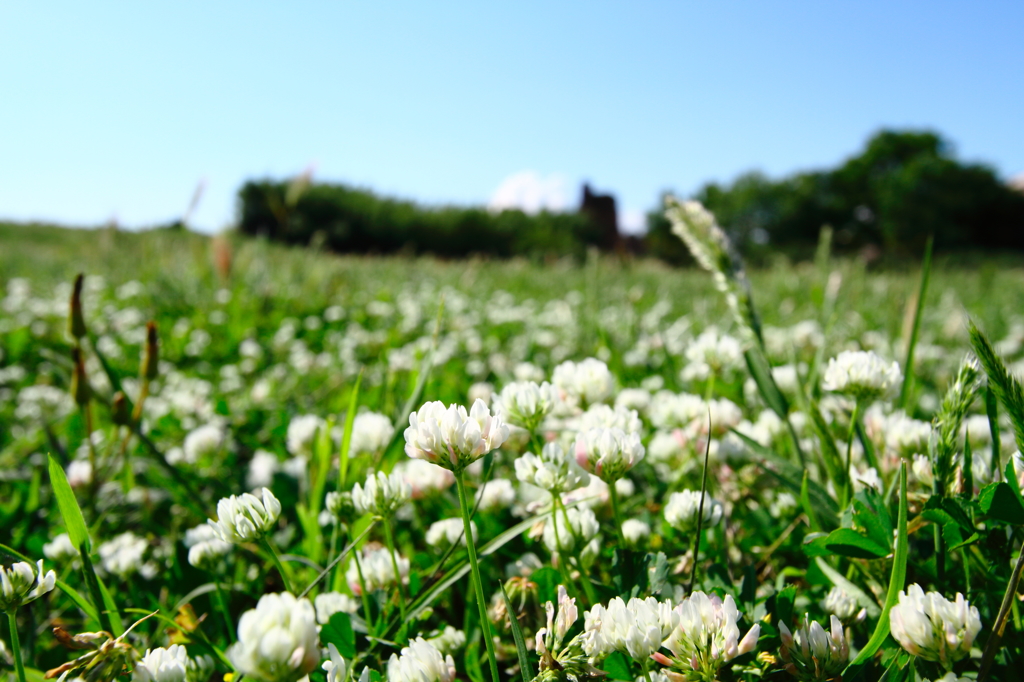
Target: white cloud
{"x": 529, "y": 191}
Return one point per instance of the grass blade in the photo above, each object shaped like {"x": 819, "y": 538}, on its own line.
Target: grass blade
{"x": 896, "y": 584}
{"x": 346, "y": 438}
{"x": 908, "y": 363}
{"x": 69, "y": 509}
{"x": 1006, "y": 386}
{"x": 526, "y": 670}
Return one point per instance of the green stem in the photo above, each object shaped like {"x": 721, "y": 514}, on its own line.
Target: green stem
{"x": 485, "y": 623}
{"x": 402, "y": 598}
{"x": 222, "y": 606}
{"x": 848, "y": 486}
{"x": 614, "y": 494}
{"x": 286, "y": 577}
{"x": 999, "y": 627}
{"x": 588, "y": 586}
{"x": 367, "y": 614}
{"x": 16, "y": 645}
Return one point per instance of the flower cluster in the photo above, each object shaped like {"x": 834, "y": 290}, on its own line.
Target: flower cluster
{"x": 22, "y": 582}
{"x": 608, "y": 453}
{"x": 934, "y": 628}
{"x": 637, "y": 627}
{"x": 707, "y": 636}
{"x": 812, "y": 653}
{"x": 277, "y": 641}
{"x": 552, "y": 470}
{"x": 245, "y": 518}
{"x": 862, "y": 375}
{"x": 451, "y": 437}
{"x": 525, "y": 403}
{"x": 420, "y": 662}
{"x": 682, "y": 509}
{"x": 382, "y": 494}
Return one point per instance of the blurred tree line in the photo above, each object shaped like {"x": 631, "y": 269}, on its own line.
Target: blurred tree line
{"x": 345, "y": 219}
{"x": 904, "y": 186}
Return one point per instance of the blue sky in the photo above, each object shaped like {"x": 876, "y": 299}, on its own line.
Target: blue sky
{"x": 118, "y": 110}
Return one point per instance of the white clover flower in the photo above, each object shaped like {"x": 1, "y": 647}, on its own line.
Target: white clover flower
{"x": 245, "y": 517}
{"x": 707, "y": 635}
{"x": 602, "y": 416}
{"x": 637, "y": 627}
{"x": 79, "y": 472}
{"x": 424, "y": 477}
{"x": 481, "y": 390}
{"x": 371, "y": 433}
{"x": 682, "y": 508}
{"x": 581, "y": 533}
{"x": 420, "y": 662}
{"x": 451, "y": 437}
{"x": 905, "y": 436}
{"x": 330, "y": 603}
{"x": 633, "y": 399}
{"x": 301, "y": 431}
{"x": 552, "y": 470}
{"x": 583, "y": 383}
{"x": 934, "y": 628}
{"x": 448, "y": 641}
{"x": 335, "y": 666}
{"x": 670, "y": 410}
{"x": 277, "y": 641}
{"x": 262, "y": 468}
{"x": 635, "y": 530}
{"x": 812, "y": 653}
{"x": 205, "y": 547}
{"x": 202, "y": 442}
{"x": 862, "y": 375}
{"x": 495, "y": 494}
{"x": 922, "y": 468}
{"x": 608, "y": 453}
{"x": 60, "y": 549}
{"x": 122, "y": 556}
{"x": 22, "y": 582}
{"x": 525, "y": 403}
{"x": 378, "y": 571}
{"x": 846, "y": 608}
{"x": 163, "y": 665}
{"x": 447, "y": 532}
{"x": 712, "y": 353}
{"x": 382, "y": 494}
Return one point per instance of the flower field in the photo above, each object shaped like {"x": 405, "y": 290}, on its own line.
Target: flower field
{"x": 222, "y": 459}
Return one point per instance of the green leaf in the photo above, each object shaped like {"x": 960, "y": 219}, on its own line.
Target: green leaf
{"x": 871, "y": 514}
{"x": 338, "y": 631}
{"x": 840, "y": 581}
{"x": 517, "y": 635}
{"x": 761, "y": 371}
{"x": 848, "y": 542}
{"x": 547, "y": 579}
{"x": 1000, "y": 503}
{"x": 784, "y": 600}
{"x": 69, "y": 509}
{"x": 908, "y": 363}
{"x": 897, "y": 580}
{"x": 617, "y": 667}
{"x": 346, "y": 438}
{"x": 657, "y": 572}
{"x": 791, "y": 476}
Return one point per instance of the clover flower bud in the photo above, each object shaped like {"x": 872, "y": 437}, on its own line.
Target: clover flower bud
{"x": 682, "y": 508}
{"x": 525, "y": 403}
{"x": 330, "y": 603}
{"x": 336, "y": 667}
{"x": 812, "y": 653}
{"x": 76, "y": 320}
{"x": 552, "y": 470}
{"x": 635, "y": 530}
{"x": 583, "y": 383}
{"x": 378, "y": 571}
{"x": 120, "y": 411}
{"x": 608, "y": 453}
{"x": 22, "y": 582}
{"x": 339, "y": 504}
{"x": 862, "y": 375}
{"x": 843, "y": 606}
{"x": 447, "y": 532}
{"x": 495, "y": 494}
{"x": 277, "y": 641}
{"x": 934, "y": 628}
{"x": 420, "y": 662}
{"x": 301, "y": 430}
{"x": 448, "y": 641}
{"x": 150, "y": 368}
{"x": 381, "y": 495}
{"x": 371, "y": 433}
{"x": 452, "y": 438}
{"x": 205, "y": 547}
{"x": 163, "y": 665}
{"x": 580, "y": 534}
{"x": 707, "y": 635}
{"x": 245, "y": 517}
